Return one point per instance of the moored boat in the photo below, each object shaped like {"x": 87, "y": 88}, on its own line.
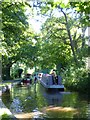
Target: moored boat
{"x": 49, "y": 82}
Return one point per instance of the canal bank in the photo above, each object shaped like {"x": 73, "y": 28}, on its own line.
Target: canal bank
{"x": 4, "y": 111}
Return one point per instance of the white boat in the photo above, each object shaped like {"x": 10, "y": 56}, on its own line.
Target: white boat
{"x": 49, "y": 82}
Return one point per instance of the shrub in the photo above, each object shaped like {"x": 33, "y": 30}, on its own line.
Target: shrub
{"x": 76, "y": 79}
{"x": 5, "y": 117}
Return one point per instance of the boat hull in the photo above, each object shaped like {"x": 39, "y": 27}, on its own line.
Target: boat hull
{"x": 50, "y": 87}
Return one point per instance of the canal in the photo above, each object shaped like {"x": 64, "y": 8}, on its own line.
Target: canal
{"x": 36, "y": 102}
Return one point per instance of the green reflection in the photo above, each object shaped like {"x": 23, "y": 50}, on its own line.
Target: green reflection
{"x": 31, "y": 97}
{"x": 52, "y": 105}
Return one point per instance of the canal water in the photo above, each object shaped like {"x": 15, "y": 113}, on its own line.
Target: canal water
{"x": 40, "y": 103}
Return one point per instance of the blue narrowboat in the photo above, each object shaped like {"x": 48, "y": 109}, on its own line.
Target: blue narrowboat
{"x": 51, "y": 82}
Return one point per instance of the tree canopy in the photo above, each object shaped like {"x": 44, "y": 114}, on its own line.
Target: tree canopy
{"x": 17, "y": 40}
{"x": 61, "y": 41}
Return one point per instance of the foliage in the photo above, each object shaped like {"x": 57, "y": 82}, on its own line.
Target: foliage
{"x": 83, "y": 8}
{"x": 56, "y": 46}
{"x": 6, "y": 117}
{"x": 17, "y": 41}
{"x": 76, "y": 78}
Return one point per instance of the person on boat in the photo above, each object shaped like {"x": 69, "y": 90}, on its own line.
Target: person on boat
{"x": 54, "y": 76}
{"x": 35, "y": 78}
{"x": 53, "y": 73}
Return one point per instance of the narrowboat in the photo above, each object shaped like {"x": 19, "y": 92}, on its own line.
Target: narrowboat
{"x": 25, "y": 81}
{"x": 49, "y": 82}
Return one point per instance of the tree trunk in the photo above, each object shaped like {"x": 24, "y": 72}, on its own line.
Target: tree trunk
{"x": 83, "y": 39}
{"x": 71, "y": 41}
{"x": 0, "y": 71}
{"x": 6, "y": 73}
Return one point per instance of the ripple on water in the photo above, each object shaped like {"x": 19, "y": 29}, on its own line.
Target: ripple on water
{"x": 65, "y": 92}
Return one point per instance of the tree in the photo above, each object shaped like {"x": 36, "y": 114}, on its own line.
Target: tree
{"x": 17, "y": 41}
{"x": 55, "y": 45}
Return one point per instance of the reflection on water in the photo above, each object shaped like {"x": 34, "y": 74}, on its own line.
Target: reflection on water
{"x": 37, "y": 102}
{"x": 15, "y": 106}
